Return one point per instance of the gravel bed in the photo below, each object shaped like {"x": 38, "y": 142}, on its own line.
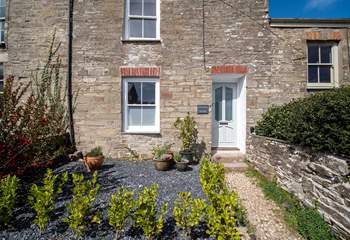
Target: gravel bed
{"x": 132, "y": 174}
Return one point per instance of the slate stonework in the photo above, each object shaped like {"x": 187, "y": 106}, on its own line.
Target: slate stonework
{"x": 311, "y": 177}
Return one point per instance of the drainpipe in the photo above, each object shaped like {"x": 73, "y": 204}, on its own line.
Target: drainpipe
{"x": 69, "y": 73}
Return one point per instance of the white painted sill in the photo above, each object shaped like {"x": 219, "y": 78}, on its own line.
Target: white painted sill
{"x": 320, "y": 86}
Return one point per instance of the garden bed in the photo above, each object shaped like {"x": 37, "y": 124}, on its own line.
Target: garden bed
{"x": 114, "y": 174}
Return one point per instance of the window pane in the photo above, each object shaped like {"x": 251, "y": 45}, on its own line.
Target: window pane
{"x": 229, "y": 99}
{"x": 149, "y": 8}
{"x": 326, "y": 54}
{"x": 1, "y": 86}
{"x": 313, "y": 74}
{"x": 218, "y": 104}
{"x": 134, "y": 93}
{"x": 134, "y": 116}
{"x": 325, "y": 74}
{"x": 313, "y": 54}
{"x": 148, "y": 93}
{"x": 135, "y": 28}
{"x": 149, "y": 116}
{"x": 136, "y": 7}
{"x": 150, "y": 28}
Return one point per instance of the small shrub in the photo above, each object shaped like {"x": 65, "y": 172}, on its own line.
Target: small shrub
{"x": 221, "y": 217}
{"x": 80, "y": 208}
{"x": 188, "y": 131}
{"x": 188, "y": 212}
{"x": 95, "y": 152}
{"x": 177, "y": 157}
{"x": 320, "y": 121}
{"x": 158, "y": 151}
{"x": 42, "y": 198}
{"x": 120, "y": 209}
{"x": 212, "y": 178}
{"x": 145, "y": 215}
{"x": 8, "y": 195}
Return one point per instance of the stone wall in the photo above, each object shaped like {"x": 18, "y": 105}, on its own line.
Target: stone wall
{"x": 312, "y": 177}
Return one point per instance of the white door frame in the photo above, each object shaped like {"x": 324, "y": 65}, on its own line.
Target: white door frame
{"x": 241, "y": 130}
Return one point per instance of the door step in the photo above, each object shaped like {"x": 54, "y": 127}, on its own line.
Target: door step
{"x": 232, "y": 160}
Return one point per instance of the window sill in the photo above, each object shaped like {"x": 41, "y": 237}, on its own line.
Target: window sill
{"x": 141, "y": 40}
{"x": 140, "y": 133}
{"x": 320, "y": 86}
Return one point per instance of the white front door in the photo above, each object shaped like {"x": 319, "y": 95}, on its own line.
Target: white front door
{"x": 224, "y": 122}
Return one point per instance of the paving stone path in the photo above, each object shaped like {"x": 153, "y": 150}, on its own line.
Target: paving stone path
{"x": 264, "y": 215}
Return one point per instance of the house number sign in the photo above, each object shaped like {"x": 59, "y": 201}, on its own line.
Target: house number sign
{"x": 202, "y": 109}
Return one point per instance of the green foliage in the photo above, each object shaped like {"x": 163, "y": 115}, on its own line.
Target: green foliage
{"x": 212, "y": 178}
{"x": 159, "y": 150}
{"x": 8, "y": 194}
{"x": 120, "y": 209}
{"x": 320, "y": 121}
{"x": 188, "y": 131}
{"x": 42, "y": 198}
{"x": 145, "y": 215}
{"x": 32, "y": 115}
{"x": 84, "y": 193}
{"x": 95, "y": 152}
{"x": 221, "y": 217}
{"x": 307, "y": 221}
{"x": 177, "y": 157}
{"x": 188, "y": 212}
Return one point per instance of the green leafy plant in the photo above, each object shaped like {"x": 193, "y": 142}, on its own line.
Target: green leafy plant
{"x": 307, "y": 221}
{"x": 188, "y": 212}
{"x": 221, "y": 218}
{"x": 80, "y": 208}
{"x": 8, "y": 195}
{"x": 121, "y": 206}
{"x": 177, "y": 157}
{"x": 42, "y": 198}
{"x": 188, "y": 132}
{"x": 145, "y": 215}
{"x": 212, "y": 178}
{"x": 320, "y": 121}
{"x": 160, "y": 150}
{"x": 95, "y": 152}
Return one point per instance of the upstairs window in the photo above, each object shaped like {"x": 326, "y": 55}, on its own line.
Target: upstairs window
{"x": 2, "y": 20}
{"x": 142, "y": 20}
{"x": 322, "y": 65}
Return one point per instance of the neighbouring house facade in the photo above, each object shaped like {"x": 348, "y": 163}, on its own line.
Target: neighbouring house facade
{"x": 140, "y": 64}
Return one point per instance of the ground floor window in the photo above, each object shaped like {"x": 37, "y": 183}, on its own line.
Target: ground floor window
{"x": 141, "y": 105}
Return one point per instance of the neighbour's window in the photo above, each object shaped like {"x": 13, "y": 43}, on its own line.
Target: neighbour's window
{"x": 1, "y": 77}
{"x": 321, "y": 64}
{"x": 142, "y": 19}
{"x": 141, "y": 105}
{"x": 2, "y": 20}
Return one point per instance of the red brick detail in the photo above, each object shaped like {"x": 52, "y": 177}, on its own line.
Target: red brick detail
{"x": 324, "y": 36}
{"x": 140, "y": 71}
{"x": 238, "y": 69}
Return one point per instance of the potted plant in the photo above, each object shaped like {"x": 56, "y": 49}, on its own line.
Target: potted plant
{"x": 188, "y": 134}
{"x": 163, "y": 157}
{"x": 181, "y": 164}
{"x": 94, "y": 159}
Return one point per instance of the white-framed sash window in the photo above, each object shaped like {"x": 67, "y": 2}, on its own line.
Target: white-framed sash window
{"x": 2, "y": 20}
{"x": 141, "y": 105}
{"x": 322, "y": 64}
{"x": 142, "y": 20}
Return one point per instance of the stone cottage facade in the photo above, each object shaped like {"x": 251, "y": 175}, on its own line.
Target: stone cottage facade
{"x": 140, "y": 64}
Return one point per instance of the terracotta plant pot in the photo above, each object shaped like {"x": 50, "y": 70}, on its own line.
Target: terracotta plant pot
{"x": 93, "y": 163}
{"x": 164, "y": 163}
{"x": 182, "y": 166}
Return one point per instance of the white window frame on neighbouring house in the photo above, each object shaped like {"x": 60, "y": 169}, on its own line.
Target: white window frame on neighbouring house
{"x": 128, "y": 16}
{"x": 2, "y": 21}
{"x": 155, "y": 129}
{"x": 2, "y": 78}
{"x": 334, "y": 72}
